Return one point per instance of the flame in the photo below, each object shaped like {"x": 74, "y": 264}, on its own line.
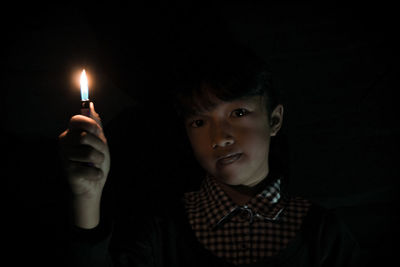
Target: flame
{"x": 84, "y": 86}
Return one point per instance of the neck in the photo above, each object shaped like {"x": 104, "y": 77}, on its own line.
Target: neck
{"x": 241, "y": 194}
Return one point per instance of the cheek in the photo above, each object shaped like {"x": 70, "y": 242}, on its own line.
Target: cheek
{"x": 256, "y": 142}
{"x": 199, "y": 147}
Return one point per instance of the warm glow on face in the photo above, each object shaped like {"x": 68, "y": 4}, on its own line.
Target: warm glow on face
{"x": 84, "y": 87}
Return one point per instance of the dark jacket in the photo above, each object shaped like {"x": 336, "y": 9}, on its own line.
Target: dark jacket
{"x": 166, "y": 239}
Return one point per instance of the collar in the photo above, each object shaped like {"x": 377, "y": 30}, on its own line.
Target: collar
{"x": 215, "y": 207}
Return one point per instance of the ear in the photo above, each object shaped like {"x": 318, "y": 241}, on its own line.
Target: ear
{"x": 276, "y": 120}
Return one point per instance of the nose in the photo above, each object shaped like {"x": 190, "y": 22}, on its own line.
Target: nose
{"x": 221, "y": 136}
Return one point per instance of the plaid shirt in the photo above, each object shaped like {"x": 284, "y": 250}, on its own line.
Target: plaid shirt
{"x": 244, "y": 234}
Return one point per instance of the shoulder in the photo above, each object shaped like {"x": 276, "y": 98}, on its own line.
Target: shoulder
{"x": 324, "y": 221}
{"x": 298, "y": 203}
{"x": 322, "y": 224}
{"x": 295, "y": 210}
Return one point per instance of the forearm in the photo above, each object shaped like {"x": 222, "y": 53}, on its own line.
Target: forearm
{"x": 85, "y": 212}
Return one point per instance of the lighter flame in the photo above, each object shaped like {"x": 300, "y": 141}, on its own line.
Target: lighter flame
{"x": 84, "y": 86}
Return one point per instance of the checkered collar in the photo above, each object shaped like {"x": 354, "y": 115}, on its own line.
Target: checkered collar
{"x": 217, "y": 206}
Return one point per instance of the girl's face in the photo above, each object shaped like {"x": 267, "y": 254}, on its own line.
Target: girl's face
{"x": 231, "y": 142}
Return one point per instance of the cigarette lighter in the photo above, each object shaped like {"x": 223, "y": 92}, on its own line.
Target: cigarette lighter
{"x": 85, "y": 102}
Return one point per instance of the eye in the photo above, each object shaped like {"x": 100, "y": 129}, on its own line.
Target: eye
{"x": 197, "y": 123}
{"x": 240, "y": 112}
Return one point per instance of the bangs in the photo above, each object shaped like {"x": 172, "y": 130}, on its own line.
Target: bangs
{"x": 207, "y": 96}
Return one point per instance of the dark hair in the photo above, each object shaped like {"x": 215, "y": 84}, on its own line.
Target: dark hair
{"x": 228, "y": 72}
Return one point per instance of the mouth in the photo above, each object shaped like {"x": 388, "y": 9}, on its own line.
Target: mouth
{"x": 229, "y": 159}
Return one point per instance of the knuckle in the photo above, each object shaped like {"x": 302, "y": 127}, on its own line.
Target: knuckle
{"x": 91, "y": 126}
{"x": 83, "y": 139}
{"x": 84, "y": 123}
{"x": 93, "y": 155}
{"x": 97, "y": 129}
{"x": 99, "y": 174}
{"x": 101, "y": 158}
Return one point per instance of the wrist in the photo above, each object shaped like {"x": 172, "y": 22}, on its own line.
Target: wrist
{"x": 86, "y": 212}
{"x": 86, "y": 198}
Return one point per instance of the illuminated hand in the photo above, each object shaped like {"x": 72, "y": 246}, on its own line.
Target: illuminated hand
{"x": 85, "y": 154}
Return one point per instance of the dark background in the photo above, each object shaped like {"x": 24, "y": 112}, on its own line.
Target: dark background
{"x": 336, "y": 65}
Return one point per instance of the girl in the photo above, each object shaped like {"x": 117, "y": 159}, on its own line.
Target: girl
{"x": 241, "y": 214}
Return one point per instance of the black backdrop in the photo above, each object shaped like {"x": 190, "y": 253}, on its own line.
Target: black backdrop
{"x": 336, "y": 65}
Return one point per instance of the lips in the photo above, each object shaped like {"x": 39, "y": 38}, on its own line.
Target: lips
{"x": 228, "y": 159}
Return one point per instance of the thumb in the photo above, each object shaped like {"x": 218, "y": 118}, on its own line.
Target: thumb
{"x": 94, "y": 115}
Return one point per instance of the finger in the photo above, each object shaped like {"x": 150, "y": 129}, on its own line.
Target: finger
{"x": 75, "y": 139}
{"x": 94, "y": 141}
{"x": 83, "y": 123}
{"x": 70, "y": 138}
{"x": 65, "y": 140}
{"x": 84, "y": 154}
{"x": 76, "y": 170}
{"x": 94, "y": 115}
